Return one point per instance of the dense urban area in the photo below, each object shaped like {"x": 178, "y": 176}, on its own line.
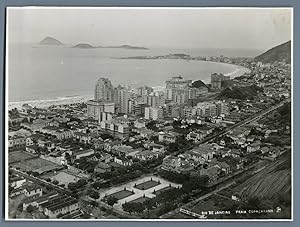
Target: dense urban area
{"x": 191, "y": 150}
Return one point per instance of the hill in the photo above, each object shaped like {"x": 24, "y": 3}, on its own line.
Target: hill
{"x": 246, "y": 92}
{"x": 198, "y": 84}
{"x": 272, "y": 181}
{"x": 279, "y": 53}
{"x": 84, "y": 46}
{"x": 50, "y": 41}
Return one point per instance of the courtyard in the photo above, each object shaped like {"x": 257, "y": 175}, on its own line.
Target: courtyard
{"x": 137, "y": 190}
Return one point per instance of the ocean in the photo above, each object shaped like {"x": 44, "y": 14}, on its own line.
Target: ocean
{"x": 59, "y": 72}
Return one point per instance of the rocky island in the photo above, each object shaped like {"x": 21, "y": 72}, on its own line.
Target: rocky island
{"x": 50, "y": 41}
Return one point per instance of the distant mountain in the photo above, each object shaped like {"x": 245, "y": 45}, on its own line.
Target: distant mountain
{"x": 127, "y": 47}
{"x": 246, "y": 92}
{"x": 84, "y": 46}
{"x": 50, "y": 41}
{"x": 89, "y": 46}
{"x": 279, "y": 53}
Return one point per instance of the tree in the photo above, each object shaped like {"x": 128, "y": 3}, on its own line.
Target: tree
{"x": 94, "y": 195}
{"x": 35, "y": 174}
{"x": 90, "y": 169}
{"x": 30, "y": 209}
{"x": 72, "y": 186}
{"x": 111, "y": 200}
{"x": 128, "y": 207}
{"x": 106, "y": 136}
{"x": 81, "y": 183}
{"x": 55, "y": 182}
{"x": 152, "y": 125}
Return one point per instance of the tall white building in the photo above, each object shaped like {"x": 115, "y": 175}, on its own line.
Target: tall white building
{"x": 122, "y": 99}
{"x": 152, "y": 113}
{"x": 104, "y": 91}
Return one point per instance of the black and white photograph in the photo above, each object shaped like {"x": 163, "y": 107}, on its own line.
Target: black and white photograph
{"x": 148, "y": 113}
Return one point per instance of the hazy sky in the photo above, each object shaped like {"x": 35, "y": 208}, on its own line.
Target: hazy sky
{"x": 260, "y": 28}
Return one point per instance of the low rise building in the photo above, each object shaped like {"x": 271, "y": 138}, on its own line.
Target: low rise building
{"x": 16, "y": 181}
{"x": 255, "y": 146}
{"x": 16, "y": 141}
{"x": 59, "y": 205}
{"x": 32, "y": 189}
{"x": 146, "y": 155}
{"x": 168, "y": 137}
{"x": 82, "y": 153}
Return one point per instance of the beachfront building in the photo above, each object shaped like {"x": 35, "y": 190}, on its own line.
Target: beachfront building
{"x": 180, "y": 91}
{"x": 104, "y": 101}
{"x": 100, "y": 111}
{"x": 104, "y": 91}
{"x": 217, "y": 79}
{"x": 122, "y": 99}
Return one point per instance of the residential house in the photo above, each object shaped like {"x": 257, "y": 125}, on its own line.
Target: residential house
{"x": 108, "y": 145}
{"x": 123, "y": 161}
{"x": 146, "y": 155}
{"x": 98, "y": 144}
{"x": 223, "y": 152}
{"x": 255, "y": 146}
{"x": 32, "y": 189}
{"x": 223, "y": 166}
{"x": 82, "y": 137}
{"x": 16, "y": 181}
{"x": 239, "y": 132}
{"x": 235, "y": 153}
{"x": 157, "y": 147}
{"x": 168, "y": 137}
{"x": 83, "y": 153}
{"x": 207, "y": 151}
{"x": 16, "y": 141}
{"x": 195, "y": 136}
{"x": 140, "y": 123}
{"x": 175, "y": 164}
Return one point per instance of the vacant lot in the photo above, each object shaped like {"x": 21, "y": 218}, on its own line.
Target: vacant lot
{"x": 146, "y": 185}
{"x": 65, "y": 178}
{"x": 121, "y": 194}
{"x": 19, "y": 156}
{"x": 38, "y": 165}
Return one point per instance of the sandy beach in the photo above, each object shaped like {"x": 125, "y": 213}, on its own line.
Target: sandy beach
{"x": 50, "y": 102}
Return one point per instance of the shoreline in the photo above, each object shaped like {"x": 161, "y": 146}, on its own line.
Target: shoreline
{"x": 40, "y": 103}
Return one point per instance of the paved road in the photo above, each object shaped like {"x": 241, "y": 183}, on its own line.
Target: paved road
{"x": 244, "y": 122}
